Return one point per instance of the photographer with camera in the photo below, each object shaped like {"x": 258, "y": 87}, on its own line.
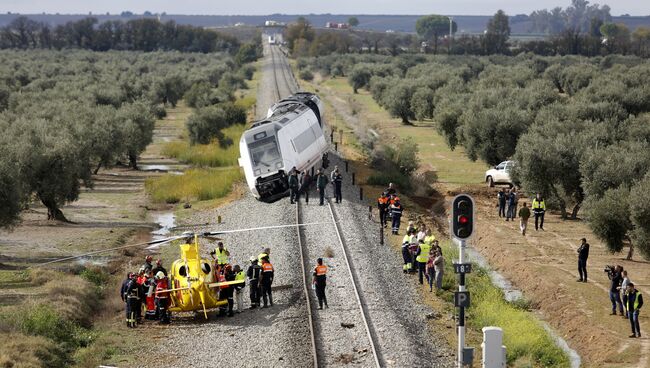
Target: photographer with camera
{"x": 614, "y": 274}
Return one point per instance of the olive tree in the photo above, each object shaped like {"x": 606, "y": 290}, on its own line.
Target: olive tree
{"x": 11, "y": 195}
{"x": 137, "y": 125}
{"x": 609, "y": 218}
{"x": 207, "y": 123}
{"x": 397, "y": 100}
{"x": 548, "y": 161}
{"x": 50, "y": 162}
{"x": 422, "y": 103}
{"x": 359, "y": 77}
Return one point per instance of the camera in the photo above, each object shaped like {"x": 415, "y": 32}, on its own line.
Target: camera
{"x": 609, "y": 269}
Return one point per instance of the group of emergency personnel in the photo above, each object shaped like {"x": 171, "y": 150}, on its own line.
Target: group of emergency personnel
{"x": 422, "y": 254}
{"x": 300, "y": 183}
{"x": 390, "y": 207}
{"x": 149, "y": 289}
{"x": 260, "y": 274}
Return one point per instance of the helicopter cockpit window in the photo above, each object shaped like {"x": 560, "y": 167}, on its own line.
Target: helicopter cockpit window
{"x": 182, "y": 271}
{"x": 205, "y": 268}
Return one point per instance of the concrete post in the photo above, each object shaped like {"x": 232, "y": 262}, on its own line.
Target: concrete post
{"x": 494, "y": 353}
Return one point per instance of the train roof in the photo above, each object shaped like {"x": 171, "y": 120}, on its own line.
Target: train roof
{"x": 284, "y": 114}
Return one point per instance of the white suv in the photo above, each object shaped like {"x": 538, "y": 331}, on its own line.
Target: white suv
{"x": 500, "y": 174}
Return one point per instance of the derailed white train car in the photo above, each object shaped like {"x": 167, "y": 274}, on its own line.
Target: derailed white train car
{"x": 311, "y": 100}
{"x": 292, "y": 136}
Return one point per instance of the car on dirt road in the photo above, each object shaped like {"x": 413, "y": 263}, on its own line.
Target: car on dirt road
{"x": 500, "y": 174}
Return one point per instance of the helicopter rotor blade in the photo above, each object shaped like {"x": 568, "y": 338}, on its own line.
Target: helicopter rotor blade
{"x": 153, "y": 242}
{"x": 221, "y": 232}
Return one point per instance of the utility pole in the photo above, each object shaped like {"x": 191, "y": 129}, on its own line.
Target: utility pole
{"x": 451, "y": 23}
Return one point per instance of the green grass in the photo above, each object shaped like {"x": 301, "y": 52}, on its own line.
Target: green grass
{"x": 525, "y": 338}
{"x": 195, "y": 184}
{"x": 451, "y": 166}
{"x": 207, "y": 155}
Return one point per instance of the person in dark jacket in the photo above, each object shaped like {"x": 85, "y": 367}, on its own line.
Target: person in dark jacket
{"x": 293, "y": 185}
{"x": 614, "y": 293}
{"x": 133, "y": 294}
{"x": 337, "y": 179}
{"x": 391, "y": 189}
{"x": 159, "y": 268}
{"x": 501, "y": 201}
{"x": 634, "y": 304}
{"x": 305, "y": 183}
{"x": 321, "y": 183}
{"x": 396, "y": 210}
{"x": 229, "y": 291}
{"x": 382, "y": 206}
{"x": 583, "y": 254}
{"x": 512, "y": 205}
{"x": 147, "y": 264}
{"x": 125, "y": 285}
{"x": 253, "y": 274}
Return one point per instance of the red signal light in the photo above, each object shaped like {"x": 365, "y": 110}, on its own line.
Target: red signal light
{"x": 463, "y": 220}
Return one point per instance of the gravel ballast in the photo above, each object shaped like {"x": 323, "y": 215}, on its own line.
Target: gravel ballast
{"x": 279, "y": 336}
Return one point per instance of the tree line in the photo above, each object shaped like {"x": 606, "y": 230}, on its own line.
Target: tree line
{"x": 580, "y": 29}
{"x": 65, "y": 114}
{"x": 145, "y": 34}
{"x": 578, "y": 128}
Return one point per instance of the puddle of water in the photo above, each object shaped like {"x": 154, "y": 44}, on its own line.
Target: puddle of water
{"x": 92, "y": 261}
{"x": 154, "y": 167}
{"x": 166, "y": 221}
{"x": 512, "y": 294}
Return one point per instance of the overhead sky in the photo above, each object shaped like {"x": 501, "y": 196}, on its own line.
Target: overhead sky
{"x": 263, "y": 7}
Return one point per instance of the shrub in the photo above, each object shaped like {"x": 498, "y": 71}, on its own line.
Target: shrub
{"x": 212, "y": 155}
{"x": 306, "y": 75}
{"x": 195, "y": 184}
{"x": 206, "y": 123}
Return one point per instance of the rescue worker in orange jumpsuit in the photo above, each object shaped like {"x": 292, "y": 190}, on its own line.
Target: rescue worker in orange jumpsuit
{"x": 162, "y": 297}
{"x": 266, "y": 281}
{"x": 382, "y": 205}
{"x": 320, "y": 282}
{"x": 149, "y": 289}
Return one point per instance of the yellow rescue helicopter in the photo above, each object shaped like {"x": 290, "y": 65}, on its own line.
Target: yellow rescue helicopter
{"x": 194, "y": 282}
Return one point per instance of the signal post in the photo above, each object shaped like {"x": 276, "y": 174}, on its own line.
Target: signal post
{"x": 462, "y": 228}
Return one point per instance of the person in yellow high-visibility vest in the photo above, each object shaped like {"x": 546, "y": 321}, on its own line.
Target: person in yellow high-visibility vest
{"x": 221, "y": 254}
{"x": 539, "y": 208}
{"x": 422, "y": 258}
{"x": 634, "y": 304}
{"x": 429, "y": 238}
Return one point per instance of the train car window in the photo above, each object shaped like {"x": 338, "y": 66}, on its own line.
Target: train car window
{"x": 305, "y": 139}
{"x": 264, "y": 152}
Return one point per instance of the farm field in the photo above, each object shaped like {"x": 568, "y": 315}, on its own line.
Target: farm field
{"x": 542, "y": 264}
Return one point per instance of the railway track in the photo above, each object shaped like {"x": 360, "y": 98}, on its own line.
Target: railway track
{"x": 281, "y": 67}
{"x": 341, "y": 333}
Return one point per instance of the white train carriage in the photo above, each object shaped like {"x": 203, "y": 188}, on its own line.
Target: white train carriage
{"x": 291, "y": 137}
{"x": 311, "y": 100}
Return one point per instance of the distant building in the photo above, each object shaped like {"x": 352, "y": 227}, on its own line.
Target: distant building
{"x": 335, "y": 25}
{"x": 274, "y": 23}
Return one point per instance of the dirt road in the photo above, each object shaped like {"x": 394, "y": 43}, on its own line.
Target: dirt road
{"x": 544, "y": 265}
